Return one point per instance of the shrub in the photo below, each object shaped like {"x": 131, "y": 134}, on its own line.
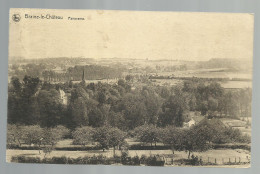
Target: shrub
{"x": 59, "y": 160}
{"x": 194, "y": 160}
{"x": 23, "y": 159}
{"x": 47, "y": 161}
{"x": 115, "y": 160}
{"x": 135, "y": 160}
{"x": 100, "y": 159}
{"x": 154, "y": 161}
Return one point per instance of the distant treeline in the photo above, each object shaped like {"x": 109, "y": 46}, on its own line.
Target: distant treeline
{"x": 49, "y": 73}
{"x": 231, "y": 64}
{"x": 204, "y": 78}
{"x": 92, "y": 72}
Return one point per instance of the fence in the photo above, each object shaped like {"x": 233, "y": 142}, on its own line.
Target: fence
{"x": 209, "y": 161}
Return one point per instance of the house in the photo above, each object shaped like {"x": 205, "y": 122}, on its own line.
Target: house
{"x": 193, "y": 121}
{"x": 189, "y": 123}
{"x": 63, "y": 97}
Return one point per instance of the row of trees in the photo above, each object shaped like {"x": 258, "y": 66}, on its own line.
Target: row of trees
{"x": 48, "y": 72}
{"x": 35, "y": 136}
{"x": 198, "y": 138}
{"x": 201, "y": 137}
{"x": 92, "y": 72}
{"x": 105, "y": 136}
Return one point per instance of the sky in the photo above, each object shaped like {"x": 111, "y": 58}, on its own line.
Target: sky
{"x": 131, "y": 34}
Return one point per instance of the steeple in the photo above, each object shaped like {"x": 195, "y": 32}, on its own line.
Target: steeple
{"x": 83, "y": 75}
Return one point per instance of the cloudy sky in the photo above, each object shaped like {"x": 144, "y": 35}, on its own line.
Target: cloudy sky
{"x": 132, "y": 34}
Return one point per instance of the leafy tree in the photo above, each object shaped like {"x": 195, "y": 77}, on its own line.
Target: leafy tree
{"x": 116, "y": 119}
{"x": 235, "y": 135}
{"x": 14, "y": 135}
{"x": 116, "y": 138}
{"x": 30, "y": 87}
{"x": 50, "y": 108}
{"x": 22, "y": 104}
{"x": 78, "y": 110}
{"x": 124, "y": 84}
{"x": 152, "y": 103}
{"x": 172, "y": 136}
{"x": 134, "y": 110}
{"x": 98, "y": 116}
{"x": 174, "y": 109}
{"x": 101, "y": 135}
{"x": 193, "y": 140}
{"x": 165, "y": 92}
{"x": 129, "y": 78}
{"x": 33, "y": 135}
{"x": 51, "y": 136}
{"x": 147, "y": 134}
{"x": 83, "y": 135}
{"x": 17, "y": 86}
{"x": 102, "y": 97}
{"x": 201, "y": 136}
{"x": 107, "y": 137}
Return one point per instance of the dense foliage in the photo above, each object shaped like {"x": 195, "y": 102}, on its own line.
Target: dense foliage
{"x": 32, "y": 102}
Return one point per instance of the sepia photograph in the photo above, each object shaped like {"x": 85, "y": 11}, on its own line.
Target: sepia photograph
{"x": 134, "y": 88}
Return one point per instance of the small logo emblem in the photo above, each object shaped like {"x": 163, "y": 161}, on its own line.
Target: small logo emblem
{"x": 16, "y": 17}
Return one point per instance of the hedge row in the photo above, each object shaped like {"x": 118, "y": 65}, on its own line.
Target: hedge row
{"x": 232, "y": 146}
{"x": 142, "y": 147}
{"x": 100, "y": 159}
{"x": 76, "y": 148}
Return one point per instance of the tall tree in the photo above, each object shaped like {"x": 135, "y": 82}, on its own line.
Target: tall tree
{"x": 50, "y": 108}
{"x": 174, "y": 109}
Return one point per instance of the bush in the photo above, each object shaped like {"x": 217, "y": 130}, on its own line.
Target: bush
{"x": 59, "y": 160}
{"x": 126, "y": 160}
{"x": 23, "y": 159}
{"x": 151, "y": 161}
{"x": 155, "y": 160}
{"x": 100, "y": 159}
{"x": 136, "y": 160}
{"x": 194, "y": 160}
{"x": 115, "y": 160}
{"x": 47, "y": 161}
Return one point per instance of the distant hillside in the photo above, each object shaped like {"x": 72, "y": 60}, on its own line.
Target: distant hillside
{"x": 230, "y": 64}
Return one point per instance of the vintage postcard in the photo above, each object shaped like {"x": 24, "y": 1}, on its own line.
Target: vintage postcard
{"x": 140, "y": 88}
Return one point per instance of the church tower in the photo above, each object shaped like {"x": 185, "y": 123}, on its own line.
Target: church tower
{"x": 83, "y": 76}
